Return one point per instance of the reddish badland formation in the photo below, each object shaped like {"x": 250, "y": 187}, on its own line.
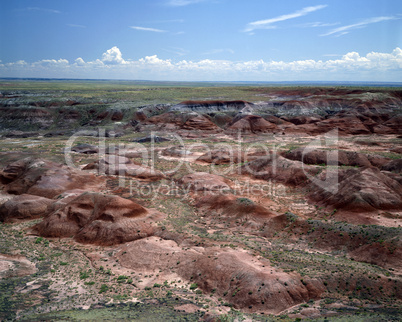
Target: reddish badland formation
{"x": 361, "y": 190}
{"x": 235, "y": 210}
{"x": 45, "y": 178}
{"x": 249, "y": 283}
{"x": 202, "y": 181}
{"x": 180, "y": 121}
{"x": 251, "y": 124}
{"x": 24, "y": 207}
{"x": 114, "y": 164}
{"x": 368, "y": 188}
{"x": 335, "y": 157}
{"x": 343, "y": 109}
{"x": 277, "y": 168}
{"x": 94, "y": 218}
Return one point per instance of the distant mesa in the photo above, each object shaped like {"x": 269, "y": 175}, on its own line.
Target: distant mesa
{"x": 212, "y": 105}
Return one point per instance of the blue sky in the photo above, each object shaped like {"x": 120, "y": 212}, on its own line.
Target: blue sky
{"x": 227, "y": 40}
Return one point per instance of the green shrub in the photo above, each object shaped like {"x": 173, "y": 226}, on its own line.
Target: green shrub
{"x": 38, "y": 240}
{"x": 103, "y": 288}
{"x": 84, "y": 275}
{"x": 89, "y": 283}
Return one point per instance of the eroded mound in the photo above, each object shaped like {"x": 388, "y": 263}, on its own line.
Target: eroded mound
{"x": 175, "y": 120}
{"x": 45, "y": 178}
{"x": 94, "y": 218}
{"x": 15, "y": 265}
{"x": 25, "y": 207}
{"x": 393, "y": 166}
{"x": 120, "y": 165}
{"x": 277, "y": 168}
{"x": 239, "y": 211}
{"x": 247, "y": 282}
{"x": 223, "y": 156}
{"x": 360, "y": 190}
{"x": 251, "y": 124}
{"x": 334, "y": 157}
{"x": 85, "y": 148}
{"x": 201, "y": 123}
{"x": 203, "y": 181}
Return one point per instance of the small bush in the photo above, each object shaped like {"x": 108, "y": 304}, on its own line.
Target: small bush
{"x": 38, "y": 240}
{"x": 89, "y": 283}
{"x": 103, "y": 288}
{"x": 84, "y": 275}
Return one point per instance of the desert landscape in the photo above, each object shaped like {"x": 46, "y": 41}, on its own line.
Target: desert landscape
{"x": 194, "y": 201}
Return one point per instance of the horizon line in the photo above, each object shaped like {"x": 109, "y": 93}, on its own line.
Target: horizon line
{"x": 200, "y": 81}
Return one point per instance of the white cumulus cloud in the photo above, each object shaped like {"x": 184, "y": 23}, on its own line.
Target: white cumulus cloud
{"x": 374, "y": 66}
{"x": 113, "y": 56}
{"x": 79, "y": 61}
